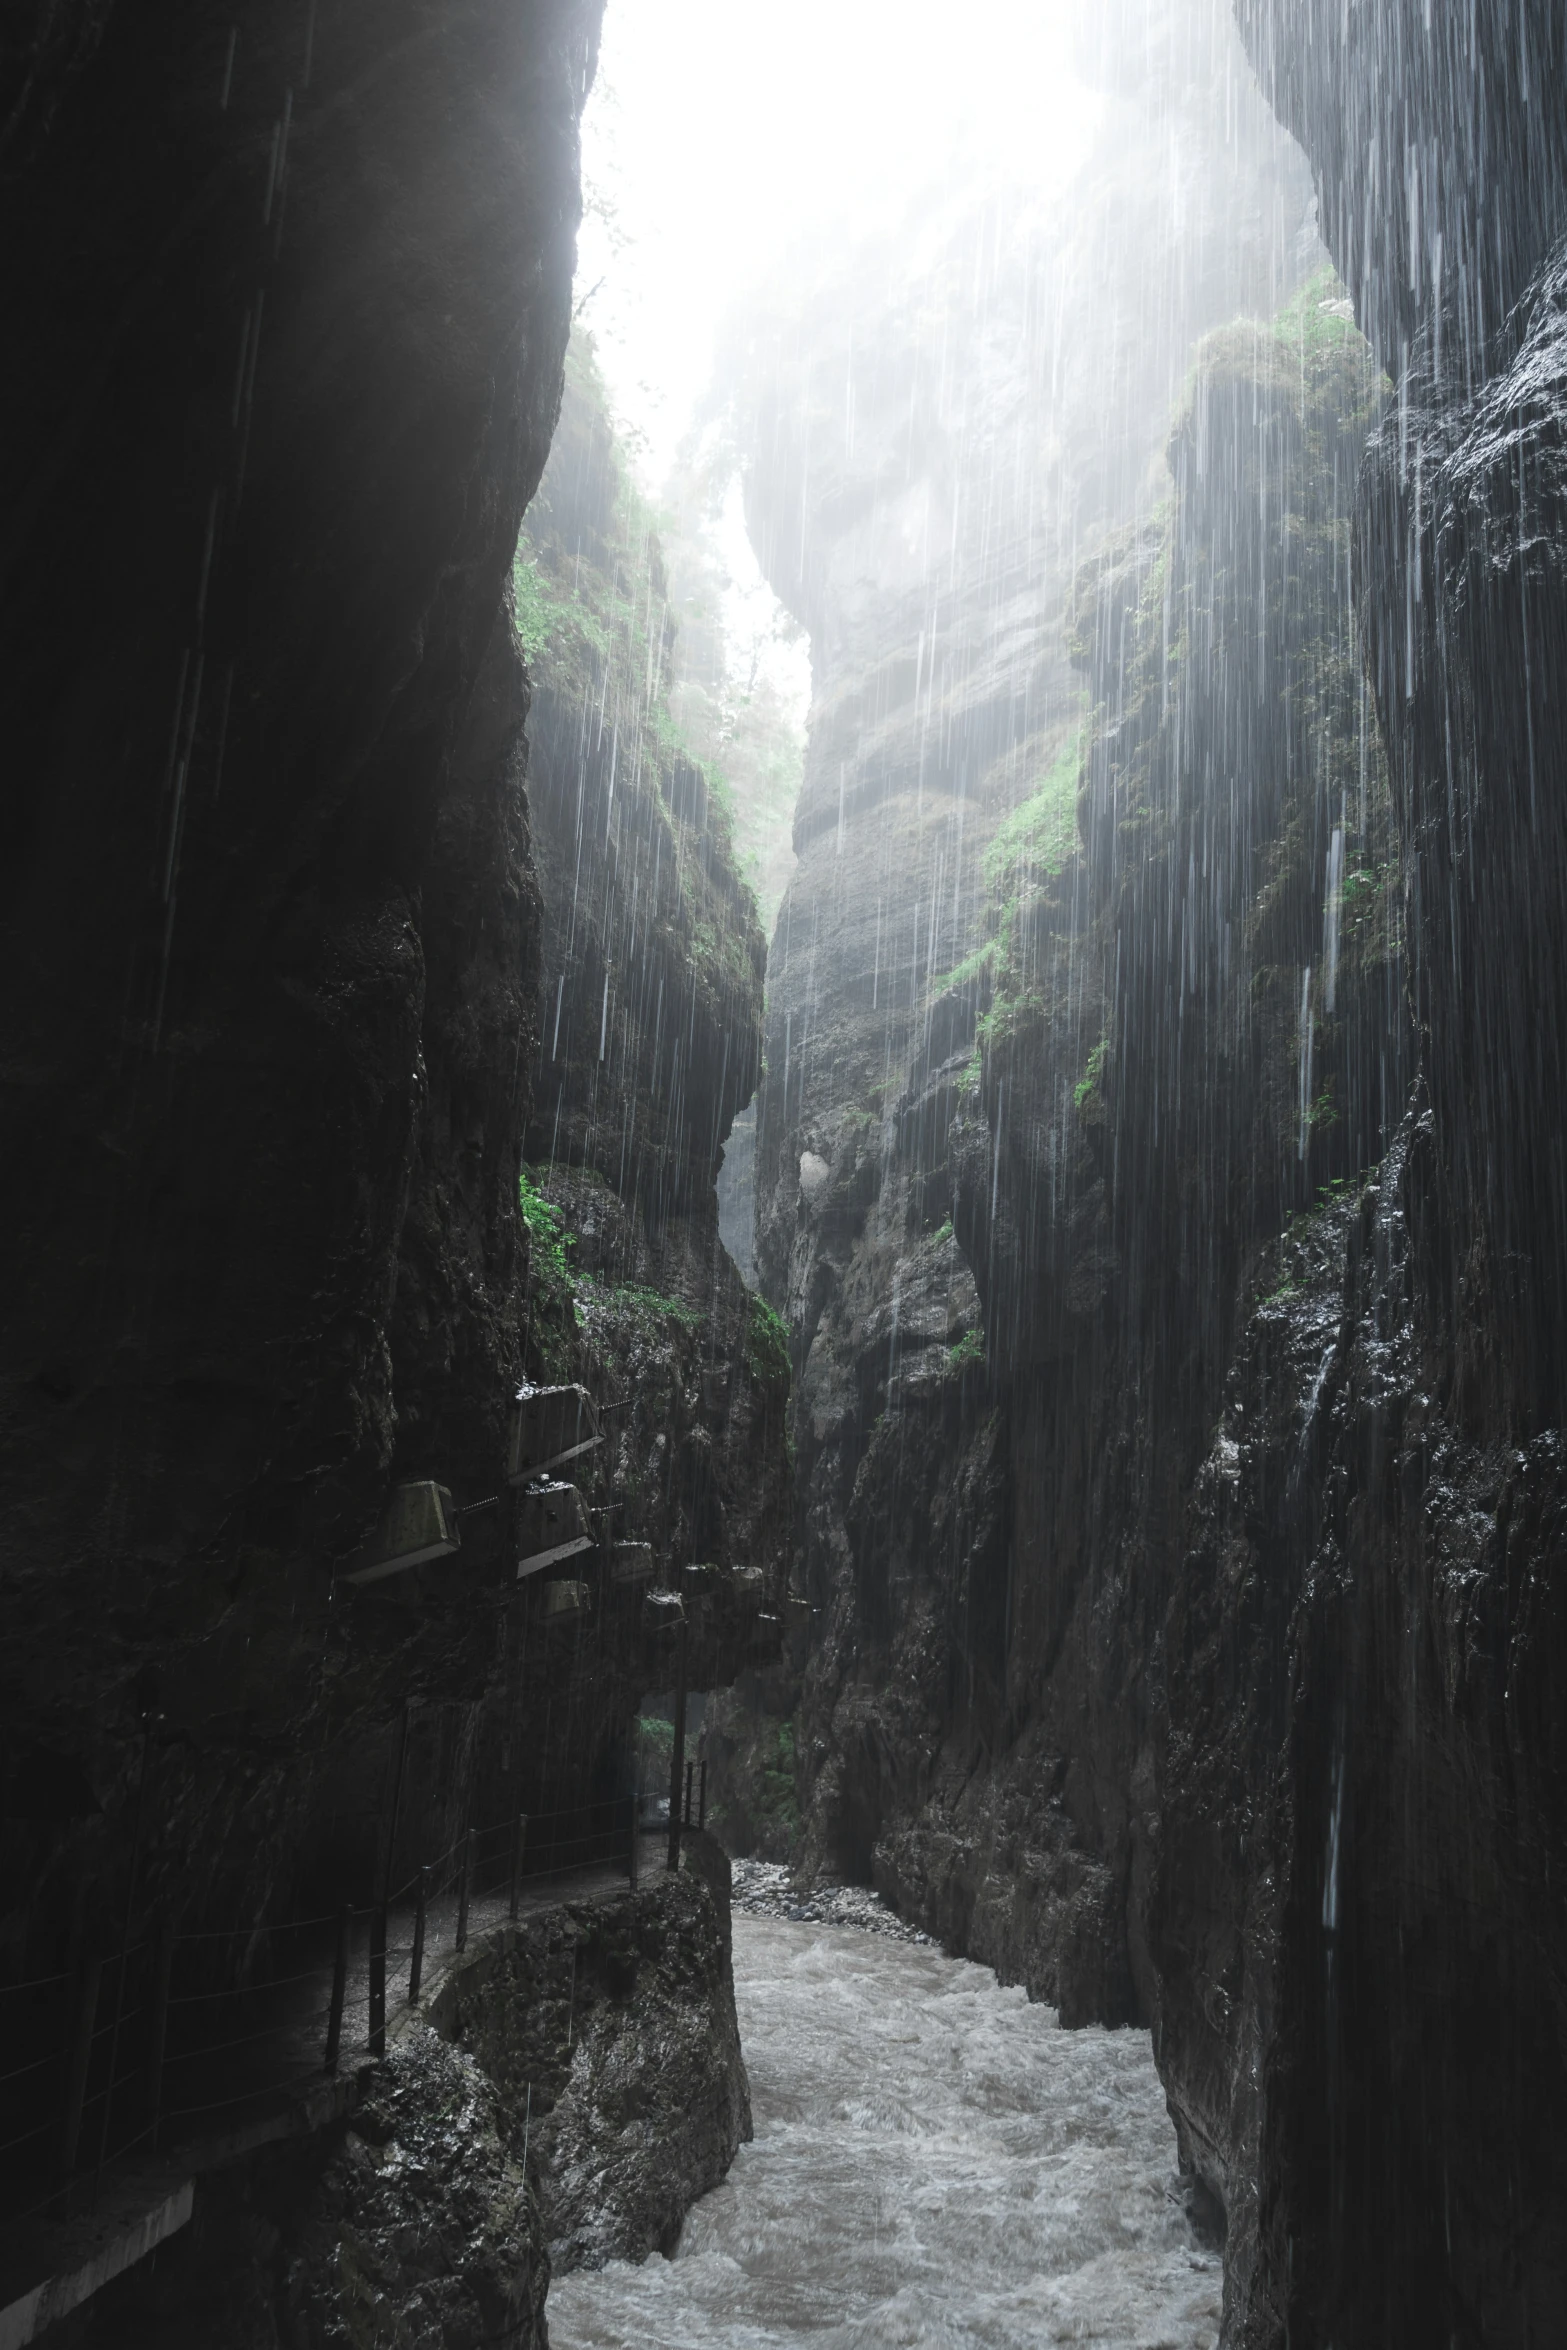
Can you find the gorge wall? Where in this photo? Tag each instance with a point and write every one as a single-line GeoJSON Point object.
{"type": "Point", "coordinates": [269, 905]}
{"type": "Point", "coordinates": [1410, 2035]}
{"type": "Point", "coordinates": [1163, 1185]}
{"type": "Point", "coordinates": [650, 1041]}
{"type": "Point", "coordinates": [294, 290]}
{"type": "Point", "coordinates": [925, 496]}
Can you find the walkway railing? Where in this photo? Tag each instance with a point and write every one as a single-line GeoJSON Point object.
{"type": "Point", "coordinates": [183, 2035]}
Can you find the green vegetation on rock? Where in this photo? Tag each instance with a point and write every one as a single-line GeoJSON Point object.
{"type": "Point", "coordinates": [1041, 834]}
{"type": "Point", "coordinates": [548, 1242]}
{"type": "Point", "coordinates": [767, 1342]}
{"type": "Point", "coordinates": [630, 1303]}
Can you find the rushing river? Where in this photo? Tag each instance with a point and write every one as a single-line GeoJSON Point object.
{"type": "Point", "coordinates": [936, 2163]}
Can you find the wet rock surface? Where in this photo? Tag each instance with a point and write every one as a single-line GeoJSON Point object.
{"type": "Point", "coordinates": [767, 1889]}
{"type": "Point", "coordinates": [569, 2087]}
{"type": "Point", "coordinates": [614, 2028]}
{"type": "Point", "coordinates": [421, 2226]}
{"type": "Point", "coordinates": [1225, 1712]}
{"type": "Point", "coordinates": [1359, 1765]}
{"type": "Point", "coordinates": [926, 547]}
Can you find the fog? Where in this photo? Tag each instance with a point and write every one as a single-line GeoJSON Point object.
{"type": "Point", "coordinates": [728, 148]}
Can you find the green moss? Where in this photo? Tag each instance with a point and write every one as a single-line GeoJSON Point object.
{"type": "Point", "coordinates": [548, 1241]}
{"type": "Point", "coordinates": [767, 1343]}
{"type": "Point", "coordinates": [972, 967]}
{"type": "Point", "coordinates": [967, 1355]}
{"type": "Point", "coordinates": [1318, 325]}
{"type": "Point", "coordinates": [537, 607]}
{"type": "Point", "coordinates": [629, 1301]}
{"type": "Point", "coordinates": [1088, 1084]}
{"type": "Point", "coordinates": [653, 1743]}
{"type": "Point", "coordinates": [1040, 835]}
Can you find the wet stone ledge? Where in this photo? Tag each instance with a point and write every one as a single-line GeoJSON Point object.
{"type": "Point", "coordinates": [564, 2092]}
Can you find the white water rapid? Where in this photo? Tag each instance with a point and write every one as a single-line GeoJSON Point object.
{"type": "Point", "coordinates": [936, 2163]}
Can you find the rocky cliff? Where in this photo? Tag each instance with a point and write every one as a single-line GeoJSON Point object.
{"type": "Point", "coordinates": [928, 523]}
{"type": "Point", "coordinates": [293, 290]}
{"type": "Point", "coordinates": [649, 1046]}
{"type": "Point", "coordinates": [1380, 1794]}
{"type": "Point", "coordinates": [270, 919]}
{"type": "Point", "coordinates": [1184, 1642]}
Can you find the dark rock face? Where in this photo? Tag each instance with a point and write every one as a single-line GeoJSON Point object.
{"type": "Point", "coordinates": [1225, 1706]}
{"type": "Point", "coordinates": [570, 2088]}
{"type": "Point", "coordinates": [1355, 1905]}
{"type": "Point", "coordinates": [293, 291]}
{"type": "Point", "coordinates": [1194, 1024]}
{"type": "Point", "coordinates": [1436, 134]}
{"type": "Point", "coordinates": [1449, 258]}
{"type": "Point", "coordinates": [656, 2104]}
{"type": "Point", "coordinates": [1362, 1817]}
{"type": "Point", "coordinates": [1461, 553]}
{"type": "Point", "coordinates": [420, 2222]}
{"type": "Point", "coordinates": [412, 2222]}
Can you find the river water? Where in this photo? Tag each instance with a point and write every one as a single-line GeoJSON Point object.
{"type": "Point", "coordinates": [936, 2163]}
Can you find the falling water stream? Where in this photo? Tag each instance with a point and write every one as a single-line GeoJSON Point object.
{"type": "Point", "coordinates": [936, 2162]}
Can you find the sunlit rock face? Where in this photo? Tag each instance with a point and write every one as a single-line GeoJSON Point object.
{"type": "Point", "coordinates": [287, 294]}
{"type": "Point", "coordinates": [930, 468]}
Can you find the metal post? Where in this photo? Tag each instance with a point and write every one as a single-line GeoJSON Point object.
{"type": "Point", "coordinates": [678, 1765]}
{"type": "Point", "coordinates": [80, 2058]}
{"type": "Point", "coordinates": [334, 2021]}
{"type": "Point", "coordinates": [690, 1776]}
{"type": "Point", "coordinates": [416, 1962]}
{"type": "Point", "coordinates": [397, 1809]}
{"type": "Point", "coordinates": [465, 1887]}
{"type": "Point", "coordinates": [518, 1845]}
{"type": "Point", "coordinates": [701, 1796]}
{"type": "Point", "coordinates": [377, 2035]}
{"type": "Point", "coordinates": [378, 1983]}
{"type": "Point", "coordinates": [157, 2037]}
{"type": "Point", "coordinates": [123, 1969]}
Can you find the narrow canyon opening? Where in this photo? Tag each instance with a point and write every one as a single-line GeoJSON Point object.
{"type": "Point", "coordinates": [781, 1462]}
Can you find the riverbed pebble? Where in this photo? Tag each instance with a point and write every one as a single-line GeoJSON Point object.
{"type": "Point", "coordinates": [766, 1889]}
